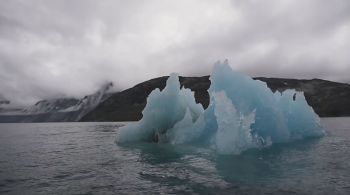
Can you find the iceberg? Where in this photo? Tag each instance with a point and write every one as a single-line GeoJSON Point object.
{"type": "Point", "coordinates": [165, 110]}
{"type": "Point", "coordinates": [243, 113]}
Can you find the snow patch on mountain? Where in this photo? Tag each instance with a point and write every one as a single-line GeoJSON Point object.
{"type": "Point", "coordinates": [79, 107]}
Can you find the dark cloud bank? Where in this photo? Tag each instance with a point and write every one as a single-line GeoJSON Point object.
{"type": "Point", "coordinates": [50, 48]}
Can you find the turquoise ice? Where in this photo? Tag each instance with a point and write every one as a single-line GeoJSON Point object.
{"type": "Point", "coordinates": [164, 110]}
{"type": "Point", "coordinates": [243, 113]}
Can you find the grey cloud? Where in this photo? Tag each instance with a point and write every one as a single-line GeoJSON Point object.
{"type": "Point", "coordinates": [69, 48]}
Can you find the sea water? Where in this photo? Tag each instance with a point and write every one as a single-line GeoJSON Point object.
{"type": "Point", "coordinates": [82, 158]}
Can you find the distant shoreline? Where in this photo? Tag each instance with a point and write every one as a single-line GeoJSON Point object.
{"type": "Point", "coordinates": [327, 98]}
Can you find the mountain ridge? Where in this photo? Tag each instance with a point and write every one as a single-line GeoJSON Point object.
{"type": "Point", "coordinates": [327, 98]}
{"type": "Point", "coordinates": [56, 109]}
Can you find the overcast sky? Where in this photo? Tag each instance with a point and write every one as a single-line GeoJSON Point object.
{"type": "Point", "coordinates": [64, 47]}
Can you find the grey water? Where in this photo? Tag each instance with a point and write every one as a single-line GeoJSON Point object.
{"type": "Point", "coordinates": [82, 158]}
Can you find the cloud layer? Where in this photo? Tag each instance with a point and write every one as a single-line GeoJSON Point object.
{"type": "Point", "coordinates": [63, 47]}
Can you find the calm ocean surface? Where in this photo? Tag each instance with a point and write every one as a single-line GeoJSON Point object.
{"type": "Point", "coordinates": [82, 158]}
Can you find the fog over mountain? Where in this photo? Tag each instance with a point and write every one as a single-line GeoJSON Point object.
{"type": "Point", "coordinates": [70, 48]}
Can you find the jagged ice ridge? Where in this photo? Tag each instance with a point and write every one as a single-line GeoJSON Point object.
{"type": "Point", "coordinates": [243, 113]}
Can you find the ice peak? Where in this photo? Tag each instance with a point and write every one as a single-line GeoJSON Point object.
{"type": "Point", "coordinates": [242, 114]}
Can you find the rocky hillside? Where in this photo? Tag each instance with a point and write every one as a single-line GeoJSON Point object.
{"type": "Point", "coordinates": [326, 97]}
{"type": "Point", "coordinates": [128, 104]}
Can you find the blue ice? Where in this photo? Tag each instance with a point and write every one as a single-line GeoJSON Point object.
{"type": "Point", "coordinates": [243, 113]}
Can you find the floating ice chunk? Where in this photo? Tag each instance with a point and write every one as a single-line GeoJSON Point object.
{"type": "Point", "coordinates": [243, 113]}
{"type": "Point", "coordinates": [248, 95]}
{"type": "Point", "coordinates": [164, 109]}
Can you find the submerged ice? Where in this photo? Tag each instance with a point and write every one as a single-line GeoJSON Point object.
{"type": "Point", "coordinates": [243, 113]}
